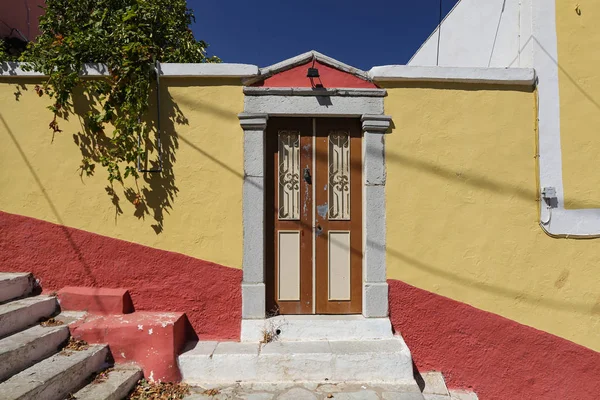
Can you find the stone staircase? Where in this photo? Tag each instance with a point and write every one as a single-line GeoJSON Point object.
{"type": "Point", "coordinates": [42, 358]}
{"type": "Point", "coordinates": [38, 362]}
{"type": "Point", "coordinates": [312, 357]}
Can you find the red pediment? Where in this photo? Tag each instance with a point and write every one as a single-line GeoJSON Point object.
{"type": "Point", "coordinates": [332, 74]}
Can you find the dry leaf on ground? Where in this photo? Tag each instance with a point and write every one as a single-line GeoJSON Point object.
{"type": "Point", "coordinates": [51, 322]}
{"type": "Point", "coordinates": [159, 391]}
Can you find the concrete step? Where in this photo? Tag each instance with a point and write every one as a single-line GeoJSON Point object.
{"type": "Point", "coordinates": [306, 391]}
{"type": "Point", "coordinates": [387, 361]}
{"type": "Point", "coordinates": [305, 328]}
{"type": "Point", "coordinates": [55, 377]}
{"type": "Point", "coordinates": [112, 385]}
{"type": "Point", "coordinates": [152, 340]}
{"type": "Point", "coordinates": [14, 285]}
{"type": "Point", "coordinates": [20, 314]}
{"type": "Point", "coordinates": [25, 348]}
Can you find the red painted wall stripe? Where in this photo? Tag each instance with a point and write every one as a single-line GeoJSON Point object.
{"type": "Point", "coordinates": [498, 358]}
{"type": "Point", "coordinates": [158, 280]}
{"type": "Point", "coordinates": [329, 78]}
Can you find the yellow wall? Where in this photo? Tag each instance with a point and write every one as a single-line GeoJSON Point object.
{"type": "Point", "coordinates": [461, 195]}
{"type": "Point", "coordinates": [203, 219]}
{"type": "Point", "coordinates": [462, 212]}
{"type": "Point", "coordinates": [579, 86]}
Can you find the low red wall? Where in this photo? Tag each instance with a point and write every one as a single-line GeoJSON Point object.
{"type": "Point", "coordinates": [158, 280]}
{"type": "Point", "coordinates": [496, 357]}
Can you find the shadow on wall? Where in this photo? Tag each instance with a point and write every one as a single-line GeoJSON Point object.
{"type": "Point", "coordinates": [157, 190]}
{"type": "Point", "coordinates": [64, 230]}
{"type": "Point", "coordinates": [81, 263]}
{"type": "Point", "coordinates": [157, 193]}
{"type": "Point", "coordinates": [584, 92]}
{"type": "Point", "coordinates": [501, 188]}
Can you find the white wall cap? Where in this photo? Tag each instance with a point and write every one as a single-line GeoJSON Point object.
{"type": "Point", "coordinates": [203, 70]}
{"type": "Point", "coordinates": [501, 76]}
{"type": "Point", "coordinates": [209, 70]}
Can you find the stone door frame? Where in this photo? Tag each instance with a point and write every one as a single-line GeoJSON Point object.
{"type": "Point", "coordinates": [367, 104]}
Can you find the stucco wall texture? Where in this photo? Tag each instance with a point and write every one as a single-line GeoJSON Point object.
{"type": "Point", "coordinates": [59, 256]}
{"type": "Point", "coordinates": [461, 195]}
{"type": "Point", "coordinates": [202, 139]}
{"type": "Point", "coordinates": [462, 217]}
{"type": "Point", "coordinates": [578, 37]}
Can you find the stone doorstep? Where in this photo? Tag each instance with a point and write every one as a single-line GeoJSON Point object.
{"type": "Point", "coordinates": [384, 361]}
{"type": "Point", "coordinates": [14, 285]}
{"type": "Point", "coordinates": [317, 327]}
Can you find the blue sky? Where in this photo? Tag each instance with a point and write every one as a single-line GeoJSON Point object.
{"type": "Point", "coordinates": [359, 33]}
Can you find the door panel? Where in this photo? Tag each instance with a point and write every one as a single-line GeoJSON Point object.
{"type": "Point", "coordinates": [312, 160]}
{"type": "Point", "coordinates": [338, 198]}
{"type": "Point", "coordinates": [289, 212]}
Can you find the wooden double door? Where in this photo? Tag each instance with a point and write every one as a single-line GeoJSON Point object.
{"type": "Point", "coordinates": [314, 242]}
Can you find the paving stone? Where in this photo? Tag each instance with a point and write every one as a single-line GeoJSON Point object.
{"type": "Point", "coordinates": [434, 383]}
{"type": "Point", "coordinates": [409, 387]}
{"type": "Point", "coordinates": [312, 386]}
{"type": "Point", "coordinates": [267, 386]}
{"type": "Point", "coordinates": [330, 388]}
{"type": "Point", "coordinates": [428, 396]}
{"type": "Point", "coordinates": [224, 393]}
{"type": "Point", "coordinates": [297, 394]}
{"type": "Point", "coordinates": [362, 395]}
{"type": "Point", "coordinates": [257, 396]}
{"type": "Point", "coordinates": [198, 396]}
{"type": "Point", "coordinates": [462, 395]}
{"type": "Point", "coordinates": [402, 396]}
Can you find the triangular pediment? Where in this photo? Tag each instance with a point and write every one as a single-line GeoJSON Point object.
{"type": "Point", "coordinates": [293, 73]}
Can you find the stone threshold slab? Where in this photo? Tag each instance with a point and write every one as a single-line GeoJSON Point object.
{"type": "Point", "coordinates": [384, 361]}
{"type": "Point", "coordinates": [317, 327]}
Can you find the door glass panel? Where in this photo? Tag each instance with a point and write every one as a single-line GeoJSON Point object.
{"type": "Point", "coordinates": [289, 175]}
{"type": "Point", "coordinates": [339, 175]}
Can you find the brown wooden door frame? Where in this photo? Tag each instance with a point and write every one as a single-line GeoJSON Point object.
{"type": "Point", "coordinates": [309, 218]}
